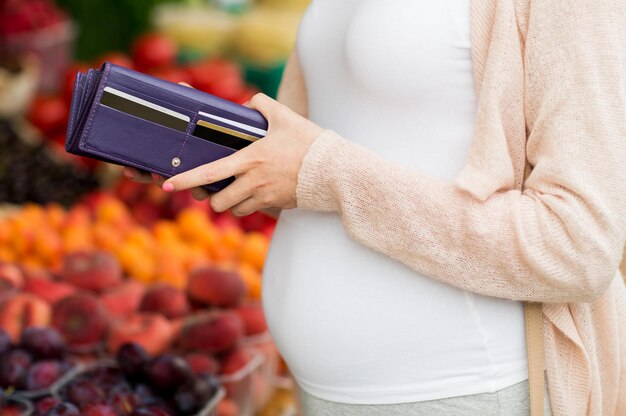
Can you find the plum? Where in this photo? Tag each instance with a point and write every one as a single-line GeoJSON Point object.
{"type": "Point", "coordinates": [44, 343]}
{"type": "Point", "coordinates": [14, 367]}
{"type": "Point", "coordinates": [150, 411]}
{"type": "Point", "coordinates": [5, 341]}
{"type": "Point", "coordinates": [97, 409]}
{"type": "Point", "coordinates": [43, 374]}
{"type": "Point", "coordinates": [46, 404]}
{"type": "Point", "coordinates": [166, 372]}
{"type": "Point", "coordinates": [192, 396]}
{"type": "Point", "coordinates": [82, 392]}
{"type": "Point", "coordinates": [63, 409]}
{"type": "Point", "coordinates": [132, 359]}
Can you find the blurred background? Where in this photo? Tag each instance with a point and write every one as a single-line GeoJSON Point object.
{"type": "Point", "coordinates": [90, 261]}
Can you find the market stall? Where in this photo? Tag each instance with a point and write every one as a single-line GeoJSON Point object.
{"type": "Point", "coordinates": [115, 297]}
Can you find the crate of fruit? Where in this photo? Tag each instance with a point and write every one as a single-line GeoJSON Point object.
{"type": "Point", "coordinates": [15, 406]}
{"type": "Point", "coordinates": [33, 364]}
{"type": "Point", "coordinates": [135, 383]}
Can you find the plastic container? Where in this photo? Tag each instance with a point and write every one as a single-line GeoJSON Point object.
{"type": "Point", "coordinates": [209, 409]}
{"type": "Point", "coordinates": [53, 46]}
{"type": "Point", "coordinates": [240, 385]}
{"type": "Point", "coordinates": [263, 378]}
{"type": "Point", "coordinates": [25, 404]}
{"type": "Point", "coordinates": [36, 394]}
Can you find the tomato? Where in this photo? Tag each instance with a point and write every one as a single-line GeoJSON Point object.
{"type": "Point", "coordinates": [49, 114]}
{"type": "Point", "coordinates": [116, 58]}
{"type": "Point", "coordinates": [219, 77]}
{"type": "Point", "coordinates": [154, 50]}
{"type": "Point", "coordinates": [172, 74]}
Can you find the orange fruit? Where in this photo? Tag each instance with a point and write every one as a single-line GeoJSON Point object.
{"type": "Point", "coordinates": [164, 230]}
{"type": "Point", "coordinates": [106, 237]}
{"type": "Point", "coordinates": [141, 237]}
{"type": "Point", "coordinates": [48, 245]}
{"type": "Point", "coordinates": [254, 249]}
{"type": "Point", "coordinates": [192, 222]}
{"type": "Point", "coordinates": [252, 279]}
{"type": "Point", "coordinates": [55, 215]}
{"type": "Point", "coordinates": [7, 254]}
{"type": "Point", "coordinates": [77, 238]}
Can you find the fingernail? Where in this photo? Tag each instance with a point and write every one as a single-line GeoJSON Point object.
{"type": "Point", "coordinates": [168, 187]}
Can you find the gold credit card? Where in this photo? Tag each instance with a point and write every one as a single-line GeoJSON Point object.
{"type": "Point", "coordinates": [223, 136]}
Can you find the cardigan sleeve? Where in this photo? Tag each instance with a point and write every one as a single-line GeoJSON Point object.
{"type": "Point", "coordinates": [561, 239]}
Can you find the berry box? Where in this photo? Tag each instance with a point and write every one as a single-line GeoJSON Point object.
{"type": "Point", "coordinates": [120, 391]}
{"type": "Point", "coordinates": [263, 379]}
{"type": "Point", "coordinates": [239, 386]}
{"type": "Point", "coordinates": [15, 406]}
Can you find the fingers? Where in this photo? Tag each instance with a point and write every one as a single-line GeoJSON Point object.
{"type": "Point", "coordinates": [137, 175]}
{"type": "Point", "coordinates": [158, 179]}
{"type": "Point", "coordinates": [232, 165]}
{"type": "Point", "coordinates": [247, 207]}
{"type": "Point", "coordinates": [232, 195]}
{"type": "Point", "coordinates": [199, 194]}
{"type": "Point", "coordinates": [265, 105]}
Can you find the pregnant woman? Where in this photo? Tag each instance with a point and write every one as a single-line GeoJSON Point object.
{"type": "Point", "coordinates": [410, 235]}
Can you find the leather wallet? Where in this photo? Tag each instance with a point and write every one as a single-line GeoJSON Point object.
{"type": "Point", "coordinates": [121, 116]}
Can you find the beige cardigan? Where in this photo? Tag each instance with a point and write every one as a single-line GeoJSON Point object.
{"type": "Point", "coordinates": [551, 82]}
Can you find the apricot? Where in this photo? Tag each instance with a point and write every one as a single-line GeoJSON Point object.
{"type": "Point", "coordinates": [254, 249]}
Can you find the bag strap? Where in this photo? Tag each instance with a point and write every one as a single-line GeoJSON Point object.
{"type": "Point", "coordinates": [534, 346]}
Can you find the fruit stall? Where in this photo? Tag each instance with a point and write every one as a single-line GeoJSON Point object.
{"type": "Point", "coordinates": [115, 297]}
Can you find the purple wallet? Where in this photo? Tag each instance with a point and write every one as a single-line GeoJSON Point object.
{"type": "Point", "coordinates": [128, 118]}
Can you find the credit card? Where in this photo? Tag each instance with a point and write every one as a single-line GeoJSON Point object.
{"type": "Point", "coordinates": [146, 110]}
{"type": "Point", "coordinates": [223, 136]}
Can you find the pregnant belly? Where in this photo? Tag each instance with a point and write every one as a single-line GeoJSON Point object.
{"type": "Point", "coordinates": [345, 317]}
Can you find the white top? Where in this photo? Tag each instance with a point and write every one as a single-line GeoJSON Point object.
{"type": "Point", "coordinates": [353, 325]}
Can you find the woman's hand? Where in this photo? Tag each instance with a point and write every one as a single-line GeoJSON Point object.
{"type": "Point", "coordinates": [266, 171]}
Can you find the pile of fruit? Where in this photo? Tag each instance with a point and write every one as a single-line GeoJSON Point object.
{"type": "Point", "coordinates": [17, 16]}
{"type": "Point", "coordinates": [135, 384]}
{"type": "Point", "coordinates": [41, 237]}
{"type": "Point", "coordinates": [30, 172]}
{"type": "Point", "coordinates": [35, 363]}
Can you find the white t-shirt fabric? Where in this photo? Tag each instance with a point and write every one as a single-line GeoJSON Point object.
{"type": "Point", "coordinates": [353, 325]}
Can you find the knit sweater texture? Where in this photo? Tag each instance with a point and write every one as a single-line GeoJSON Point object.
{"type": "Point", "coordinates": [550, 76]}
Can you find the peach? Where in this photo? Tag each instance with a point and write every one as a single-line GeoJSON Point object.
{"type": "Point", "coordinates": [11, 277]}
{"type": "Point", "coordinates": [216, 286]}
{"type": "Point", "coordinates": [49, 290]}
{"type": "Point", "coordinates": [213, 332]}
{"type": "Point", "coordinates": [166, 300]}
{"type": "Point", "coordinates": [253, 318]}
{"type": "Point", "coordinates": [82, 319]}
{"type": "Point", "coordinates": [123, 300]}
{"type": "Point", "coordinates": [227, 407]}
{"type": "Point", "coordinates": [236, 360]}
{"type": "Point", "coordinates": [92, 271]}
{"type": "Point", "coordinates": [152, 331]}
{"type": "Point", "coordinates": [202, 363]}
{"type": "Point", "coordinates": [22, 311]}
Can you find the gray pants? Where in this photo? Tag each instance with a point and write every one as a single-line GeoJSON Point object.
{"type": "Point", "coordinates": [510, 401]}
